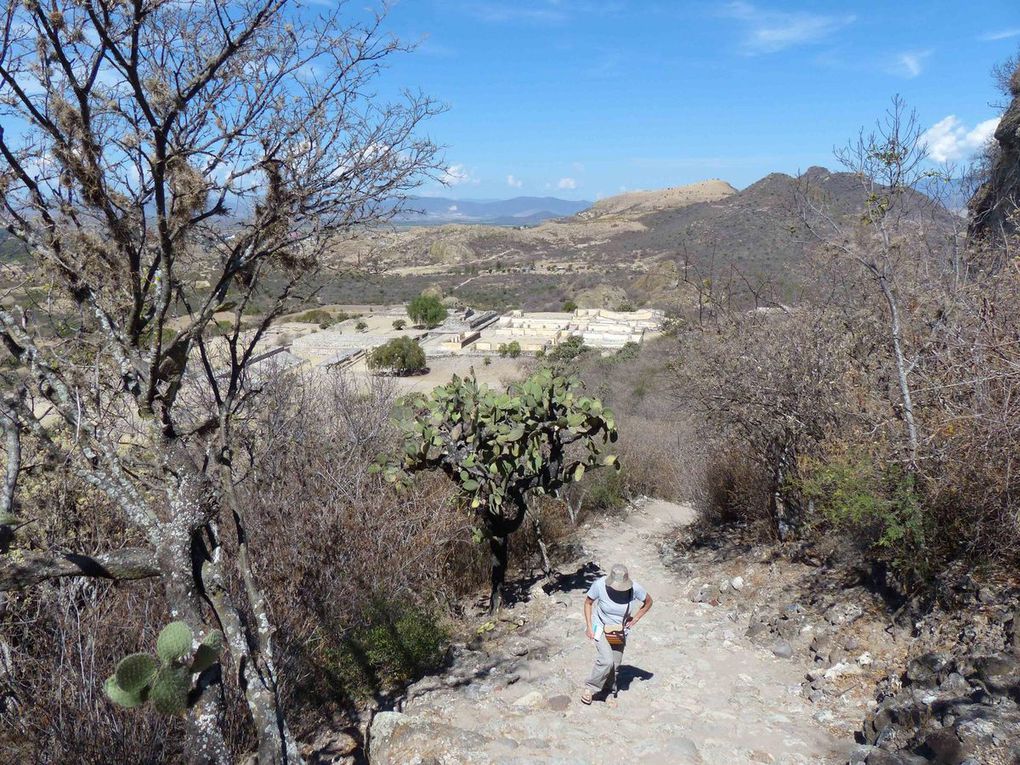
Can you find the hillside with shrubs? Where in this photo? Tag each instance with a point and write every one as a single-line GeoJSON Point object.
{"type": "Point", "coordinates": [205, 557]}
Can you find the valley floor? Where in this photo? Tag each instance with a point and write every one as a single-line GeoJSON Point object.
{"type": "Point", "coordinates": [693, 689]}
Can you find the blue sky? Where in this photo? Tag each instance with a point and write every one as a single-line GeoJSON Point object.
{"type": "Point", "coordinates": [585, 98]}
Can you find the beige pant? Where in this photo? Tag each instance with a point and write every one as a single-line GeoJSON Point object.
{"type": "Point", "coordinates": [607, 661]}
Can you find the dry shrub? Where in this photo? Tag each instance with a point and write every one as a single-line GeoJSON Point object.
{"type": "Point", "coordinates": [973, 423]}
{"type": "Point", "coordinates": [768, 386]}
{"type": "Point", "coordinates": [735, 490]}
{"type": "Point", "coordinates": [659, 448]}
{"type": "Point", "coordinates": [805, 412]}
{"type": "Point", "coordinates": [59, 641]}
{"type": "Point", "coordinates": [353, 559]}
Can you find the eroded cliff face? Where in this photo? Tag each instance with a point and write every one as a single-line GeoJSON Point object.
{"type": "Point", "coordinates": [995, 206]}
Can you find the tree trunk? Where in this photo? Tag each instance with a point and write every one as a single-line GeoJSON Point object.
{"type": "Point", "coordinates": [537, 526]}
{"type": "Point", "coordinates": [785, 510]}
{"type": "Point", "coordinates": [499, 546]}
{"type": "Point", "coordinates": [276, 743]}
{"type": "Point", "coordinates": [206, 745]}
{"type": "Point", "coordinates": [256, 674]}
{"type": "Point", "coordinates": [901, 370]}
{"type": "Point", "coordinates": [12, 444]}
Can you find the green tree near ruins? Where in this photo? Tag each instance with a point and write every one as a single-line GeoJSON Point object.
{"type": "Point", "coordinates": [400, 356]}
{"type": "Point", "coordinates": [503, 447]}
{"type": "Point", "coordinates": [511, 349]}
{"type": "Point", "coordinates": [426, 311]}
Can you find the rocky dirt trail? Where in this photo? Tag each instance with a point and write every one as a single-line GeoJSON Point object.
{"type": "Point", "coordinates": [693, 689]}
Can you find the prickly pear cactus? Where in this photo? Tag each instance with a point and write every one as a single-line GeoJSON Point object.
{"type": "Point", "coordinates": [166, 680]}
{"type": "Point", "coordinates": [499, 446]}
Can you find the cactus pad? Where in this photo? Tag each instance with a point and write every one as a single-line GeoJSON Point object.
{"type": "Point", "coordinates": [174, 642]}
{"type": "Point", "coordinates": [208, 651]}
{"type": "Point", "coordinates": [169, 694]}
{"type": "Point", "coordinates": [119, 696]}
{"type": "Point", "coordinates": [136, 671]}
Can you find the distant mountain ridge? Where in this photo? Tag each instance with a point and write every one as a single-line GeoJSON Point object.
{"type": "Point", "coordinates": [518, 211]}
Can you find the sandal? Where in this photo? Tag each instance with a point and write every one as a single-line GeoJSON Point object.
{"type": "Point", "coordinates": [586, 696]}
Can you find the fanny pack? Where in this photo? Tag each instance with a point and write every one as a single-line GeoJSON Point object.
{"type": "Point", "coordinates": [615, 635]}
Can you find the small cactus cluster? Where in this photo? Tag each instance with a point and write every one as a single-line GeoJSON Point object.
{"type": "Point", "coordinates": [165, 679]}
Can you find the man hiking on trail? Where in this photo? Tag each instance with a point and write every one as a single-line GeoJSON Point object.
{"type": "Point", "coordinates": [608, 618]}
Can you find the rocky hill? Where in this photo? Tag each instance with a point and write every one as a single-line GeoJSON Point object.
{"type": "Point", "coordinates": [994, 209]}
{"type": "Point", "coordinates": [637, 204]}
{"type": "Point", "coordinates": [634, 248]}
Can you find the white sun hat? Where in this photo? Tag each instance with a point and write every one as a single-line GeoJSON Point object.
{"type": "Point", "coordinates": [618, 578]}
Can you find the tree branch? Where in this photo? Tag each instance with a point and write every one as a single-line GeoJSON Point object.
{"type": "Point", "coordinates": [24, 568]}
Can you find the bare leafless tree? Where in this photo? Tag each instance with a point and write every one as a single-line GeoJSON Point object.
{"type": "Point", "coordinates": [893, 234]}
{"type": "Point", "coordinates": [176, 169]}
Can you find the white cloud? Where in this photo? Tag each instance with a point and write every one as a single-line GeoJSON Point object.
{"type": "Point", "coordinates": [546, 12]}
{"type": "Point", "coordinates": [502, 12]}
{"type": "Point", "coordinates": [949, 139]}
{"type": "Point", "coordinates": [452, 208]}
{"type": "Point", "coordinates": [1002, 34]}
{"type": "Point", "coordinates": [772, 31]}
{"type": "Point", "coordinates": [514, 182]}
{"type": "Point", "coordinates": [911, 63]}
{"type": "Point", "coordinates": [566, 183]}
{"type": "Point", "coordinates": [458, 175]}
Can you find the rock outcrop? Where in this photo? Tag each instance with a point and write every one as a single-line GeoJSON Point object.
{"type": "Point", "coordinates": [995, 206]}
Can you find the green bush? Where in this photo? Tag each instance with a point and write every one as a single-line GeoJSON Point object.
{"type": "Point", "coordinates": [325, 319]}
{"type": "Point", "coordinates": [511, 349]}
{"type": "Point", "coordinates": [361, 326]}
{"type": "Point", "coordinates": [397, 644]}
{"type": "Point", "coordinates": [401, 356]}
{"type": "Point", "coordinates": [877, 503]}
{"type": "Point", "coordinates": [567, 351]}
{"type": "Point", "coordinates": [399, 325]}
{"type": "Point", "coordinates": [628, 352]}
{"type": "Point", "coordinates": [426, 311]}
{"type": "Point", "coordinates": [607, 492]}
{"type": "Point", "coordinates": [570, 306]}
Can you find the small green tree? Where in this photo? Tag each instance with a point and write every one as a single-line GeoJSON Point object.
{"type": "Point", "coordinates": [399, 325]}
{"type": "Point", "coordinates": [426, 311]}
{"type": "Point", "coordinates": [361, 326]}
{"type": "Point", "coordinates": [400, 356]}
{"type": "Point", "coordinates": [564, 354]}
{"type": "Point", "coordinates": [569, 306]}
{"type": "Point", "coordinates": [501, 447]}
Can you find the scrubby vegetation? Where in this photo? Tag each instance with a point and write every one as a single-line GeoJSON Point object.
{"type": "Point", "coordinates": [511, 349]}
{"type": "Point", "coordinates": [399, 356]}
{"type": "Point", "coordinates": [325, 319]}
{"type": "Point", "coordinates": [885, 416]}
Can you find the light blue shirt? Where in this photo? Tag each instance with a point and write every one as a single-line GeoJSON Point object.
{"type": "Point", "coordinates": [608, 611]}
